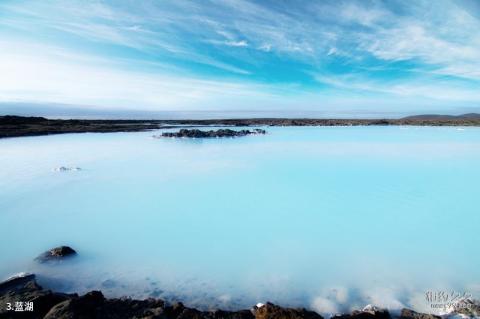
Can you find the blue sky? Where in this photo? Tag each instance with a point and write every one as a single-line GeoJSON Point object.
{"type": "Point", "coordinates": [334, 57]}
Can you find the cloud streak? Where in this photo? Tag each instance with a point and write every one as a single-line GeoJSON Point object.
{"type": "Point", "coordinates": [229, 53]}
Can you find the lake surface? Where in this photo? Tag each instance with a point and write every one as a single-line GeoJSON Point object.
{"type": "Point", "coordinates": [331, 218]}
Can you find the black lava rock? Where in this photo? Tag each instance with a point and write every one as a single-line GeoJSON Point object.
{"type": "Point", "coordinates": [195, 133]}
{"type": "Point", "coordinates": [369, 312]}
{"type": "Point", "coordinates": [410, 314]}
{"type": "Point", "coordinates": [56, 254]}
{"type": "Point", "coordinates": [24, 289]}
{"type": "Point", "coordinates": [271, 311]}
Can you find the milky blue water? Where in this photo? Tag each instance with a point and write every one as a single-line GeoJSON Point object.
{"type": "Point", "coordinates": [330, 218]}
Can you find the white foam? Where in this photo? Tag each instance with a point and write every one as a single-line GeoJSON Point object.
{"type": "Point", "coordinates": [225, 298]}
{"type": "Point", "coordinates": [370, 308]}
{"type": "Point", "coordinates": [66, 169]}
{"type": "Point", "coordinates": [324, 306]}
{"type": "Point", "coordinates": [19, 275]}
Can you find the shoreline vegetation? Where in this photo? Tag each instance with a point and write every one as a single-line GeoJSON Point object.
{"type": "Point", "coordinates": [16, 126]}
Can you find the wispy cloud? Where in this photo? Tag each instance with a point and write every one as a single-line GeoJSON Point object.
{"type": "Point", "coordinates": [54, 75]}
{"type": "Point", "coordinates": [187, 53]}
{"type": "Point", "coordinates": [447, 91]}
{"type": "Point", "coordinates": [242, 43]}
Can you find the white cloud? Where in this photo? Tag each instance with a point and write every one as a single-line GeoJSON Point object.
{"type": "Point", "coordinates": [445, 39]}
{"type": "Point", "coordinates": [332, 51]}
{"type": "Point", "coordinates": [424, 88]}
{"type": "Point", "coordinates": [265, 47]}
{"type": "Point", "coordinates": [176, 34]}
{"type": "Point", "coordinates": [57, 76]}
{"type": "Point", "coordinates": [241, 43]}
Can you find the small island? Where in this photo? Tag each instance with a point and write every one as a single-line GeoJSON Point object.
{"type": "Point", "coordinates": [196, 133]}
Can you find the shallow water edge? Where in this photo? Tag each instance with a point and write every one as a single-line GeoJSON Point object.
{"type": "Point", "coordinates": [23, 297]}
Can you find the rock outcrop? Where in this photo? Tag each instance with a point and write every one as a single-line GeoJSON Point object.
{"type": "Point", "coordinates": [93, 305]}
{"type": "Point", "coordinates": [369, 312]}
{"type": "Point", "coordinates": [271, 311]}
{"type": "Point", "coordinates": [196, 133]}
{"type": "Point", "coordinates": [66, 169]}
{"type": "Point", "coordinates": [56, 254]}
{"type": "Point", "coordinates": [17, 291]}
{"type": "Point", "coordinates": [410, 314]}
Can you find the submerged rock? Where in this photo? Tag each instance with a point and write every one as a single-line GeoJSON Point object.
{"type": "Point", "coordinates": [66, 169]}
{"type": "Point", "coordinates": [109, 283]}
{"type": "Point", "coordinates": [56, 254]}
{"type": "Point", "coordinates": [195, 133]}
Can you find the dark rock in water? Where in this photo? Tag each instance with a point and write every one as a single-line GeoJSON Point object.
{"type": "Point", "coordinates": [369, 312]}
{"type": "Point", "coordinates": [195, 133]}
{"type": "Point", "coordinates": [87, 306]}
{"type": "Point", "coordinates": [109, 283]}
{"type": "Point", "coordinates": [24, 289]}
{"type": "Point", "coordinates": [271, 311]}
{"type": "Point", "coordinates": [156, 293]}
{"type": "Point", "coordinates": [16, 282]}
{"type": "Point", "coordinates": [410, 314]}
{"type": "Point", "coordinates": [178, 310]}
{"type": "Point", "coordinates": [241, 314]}
{"type": "Point", "coordinates": [56, 254]}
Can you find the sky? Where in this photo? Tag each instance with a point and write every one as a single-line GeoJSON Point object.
{"type": "Point", "coordinates": [351, 58]}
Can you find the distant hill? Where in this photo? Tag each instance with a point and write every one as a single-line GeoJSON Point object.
{"type": "Point", "coordinates": [443, 117]}
{"type": "Point", "coordinates": [14, 119]}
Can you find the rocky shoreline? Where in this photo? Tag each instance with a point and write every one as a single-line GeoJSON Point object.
{"type": "Point", "coordinates": [22, 297]}
{"type": "Point", "coordinates": [15, 126]}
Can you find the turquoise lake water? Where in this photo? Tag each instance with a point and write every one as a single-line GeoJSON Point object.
{"type": "Point", "coordinates": [330, 218]}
